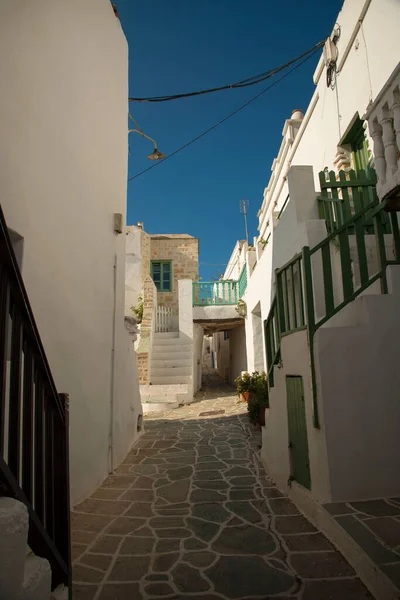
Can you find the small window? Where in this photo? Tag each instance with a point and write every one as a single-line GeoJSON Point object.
{"type": "Point", "coordinates": [161, 273]}
{"type": "Point", "coordinates": [358, 144]}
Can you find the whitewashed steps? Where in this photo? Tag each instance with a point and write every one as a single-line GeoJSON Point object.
{"type": "Point", "coordinates": [23, 575]}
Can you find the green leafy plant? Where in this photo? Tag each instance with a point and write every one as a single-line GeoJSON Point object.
{"type": "Point", "coordinates": [138, 309]}
{"type": "Point", "coordinates": [254, 406]}
{"type": "Point", "coordinates": [243, 383]}
{"type": "Point", "coordinates": [255, 383]}
{"type": "Point", "coordinates": [253, 388]}
{"type": "Point", "coordinates": [241, 308]}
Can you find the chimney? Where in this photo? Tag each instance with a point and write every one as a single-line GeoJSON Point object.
{"type": "Point", "coordinates": [297, 114]}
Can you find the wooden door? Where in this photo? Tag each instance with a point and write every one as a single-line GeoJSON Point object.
{"type": "Point", "coordinates": [298, 440]}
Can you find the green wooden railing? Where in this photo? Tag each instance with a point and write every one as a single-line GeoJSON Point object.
{"type": "Point", "coordinates": [242, 282]}
{"type": "Point", "coordinates": [293, 308]}
{"type": "Point", "coordinates": [342, 199]}
{"type": "Point", "coordinates": [215, 293]}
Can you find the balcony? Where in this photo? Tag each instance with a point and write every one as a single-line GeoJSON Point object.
{"type": "Point", "coordinates": [383, 117]}
{"type": "Point", "coordinates": [215, 302]}
{"type": "Point", "coordinates": [215, 293]}
{"type": "Point", "coordinates": [225, 292]}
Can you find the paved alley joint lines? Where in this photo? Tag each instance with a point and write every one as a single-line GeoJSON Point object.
{"type": "Point", "coordinates": [191, 513]}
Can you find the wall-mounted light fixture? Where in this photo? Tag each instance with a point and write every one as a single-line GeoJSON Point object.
{"type": "Point", "coordinates": [156, 154]}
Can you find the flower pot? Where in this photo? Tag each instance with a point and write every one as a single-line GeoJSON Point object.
{"type": "Point", "coordinates": [245, 396]}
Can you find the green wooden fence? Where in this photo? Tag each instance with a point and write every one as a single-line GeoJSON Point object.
{"type": "Point", "coordinates": [242, 281]}
{"type": "Point", "coordinates": [293, 307]}
{"type": "Point", "coordinates": [215, 293]}
{"type": "Point", "coordinates": [342, 199]}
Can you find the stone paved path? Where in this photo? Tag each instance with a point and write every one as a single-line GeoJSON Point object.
{"type": "Point", "coordinates": [191, 514]}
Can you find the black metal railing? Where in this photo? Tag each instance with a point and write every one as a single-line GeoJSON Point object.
{"type": "Point", "coordinates": [34, 466]}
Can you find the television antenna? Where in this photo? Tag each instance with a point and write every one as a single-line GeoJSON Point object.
{"type": "Point", "coordinates": [244, 205]}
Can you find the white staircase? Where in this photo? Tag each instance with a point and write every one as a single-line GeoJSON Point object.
{"type": "Point", "coordinates": [23, 575]}
{"type": "Point", "coordinates": [170, 373]}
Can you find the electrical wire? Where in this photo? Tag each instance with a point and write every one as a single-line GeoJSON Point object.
{"type": "Point", "coordinates": [135, 122]}
{"type": "Point", "coordinates": [240, 84]}
{"type": "Point", "coordinates": [225, 118]}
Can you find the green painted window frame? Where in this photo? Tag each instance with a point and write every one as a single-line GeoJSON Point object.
{"type": "Point", "coordinates": [161, 286]}
{"type": "Point", "coordinates": [359, 146]}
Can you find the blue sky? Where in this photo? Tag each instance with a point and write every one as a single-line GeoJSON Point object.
{"type": "Point", "coordinates": [178, 46]}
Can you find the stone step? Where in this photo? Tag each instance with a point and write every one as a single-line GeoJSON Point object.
{"type": "Point", "coordinates": [169, 341]}
{"type": "Point", "coordinates": [37, 579]}
{"type": "Point", "coordinates": [14, 525]}
{"type": "Point", "coordinates": [151, 407]}
{"type": "Point", "coordinates": [166, 354]}
{"type": "Point", "coordinates": [173, 399]}
{"type": "Point", "coordinates": [162, 390]}
{"type": "Point", "coordinates": [170, 371]}
{"type": "Point", "coordinates": [166, 335]}
{"type": "Point", "coordinates": [166, 379]}
{"type": "Point", "coordinates": [157, 363]}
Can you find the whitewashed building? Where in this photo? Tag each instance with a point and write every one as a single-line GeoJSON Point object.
{"type": "Point", "coordinates": [63, 173]}
{"type": "Point", "coordinates": [322, 294]}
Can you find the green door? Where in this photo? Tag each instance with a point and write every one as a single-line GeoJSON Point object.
{"type": "Point", "coordinates": [298, 442]}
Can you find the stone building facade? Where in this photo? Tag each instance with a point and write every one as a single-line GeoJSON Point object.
{"type": "Point", "coordinates": [183, 252]}
{"type": "Point", "coordinates": [180, 250]}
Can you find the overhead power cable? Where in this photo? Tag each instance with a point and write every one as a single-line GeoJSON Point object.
{"type": "Point", "coordinates": [239, 84]}
{"type": "Point", "coordinates": [235, 112]}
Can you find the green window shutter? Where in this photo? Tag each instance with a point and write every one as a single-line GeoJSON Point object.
{"type": "Point", "coordinates": [161, 273]}
{"type": "Point", "coordinates": [359, 146]}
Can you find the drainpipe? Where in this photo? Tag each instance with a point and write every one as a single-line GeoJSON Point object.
{"type": "Point", "coordinates": [112, 384]}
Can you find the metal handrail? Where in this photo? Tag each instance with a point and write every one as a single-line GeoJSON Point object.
{"type": "Point", "coordinates": [34, 461]}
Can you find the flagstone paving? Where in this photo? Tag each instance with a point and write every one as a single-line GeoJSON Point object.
{"type": "Point", "coordinates": [191, 514]}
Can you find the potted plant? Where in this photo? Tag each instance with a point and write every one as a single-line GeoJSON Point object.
{"type": "Point", "coordinates": [138, 309]}
{"type": "Point", "coordinates": [244, 385]}
{"type": "Point", "coordinates": [258, 400]}
{"type": "Point", "coordinates": [241, 309]}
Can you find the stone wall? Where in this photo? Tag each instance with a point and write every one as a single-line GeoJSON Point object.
{"type": "Point", "coordinates": [146, 330]}
{"type": "Point", "coordinates": [183, 251]}
{"type": "Point", "coordinates": [145, 254]}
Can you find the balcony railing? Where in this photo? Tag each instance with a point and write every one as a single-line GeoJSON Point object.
{"type": "Point", "coordinates": [33, 423]}
{"type": "Point", "coordinates": [225, 292]}
{"type": "Point", "coordinates": [297, 282]}
{"type": "Point", "coordinates": [215, 293]}
{"type": "Point", "coordinates": [242, 282]}
{"type": "Point", "coordinates": [343, 198]}
{"type": "Point", "coordinates": [384, 126]}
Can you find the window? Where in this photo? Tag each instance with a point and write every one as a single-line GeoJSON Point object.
{"type": "Point", "coordinates": [161, 273]}
{"type": "Point", "coordinates": [358, 145]}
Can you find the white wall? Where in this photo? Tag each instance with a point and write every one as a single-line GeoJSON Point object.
{"type": "Point", "coordinates": [133, 268]}
{"type": "Point", "coordinates": [358, 386]}
{"type": "Point", "coordinates": [198, 341]}
{"type": "Point", "coordinates": [222, 361]}
{"type": "Point", "coordinates": [236, 261]}
{"type": "Point", "coordinates": [315, 144]}
{"type": "Point", "coordinates": [207, 360]}
{"type": "Point", "coordinates": [355, 455]}
{"type": "Point", "coordinates": [237, 352]}
{"type": "Point", "coordinates": [63, 172]}
{"type": "Point", "coordinates": [372, 57]}
{"type": "Point", "coordinates": [275, 435]}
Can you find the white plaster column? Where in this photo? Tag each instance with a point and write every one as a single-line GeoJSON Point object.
{"type": "Point", "coordinates": [185, 309]}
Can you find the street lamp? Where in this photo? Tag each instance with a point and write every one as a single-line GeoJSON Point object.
{"type": "Point", "coordinates": [156, 154]}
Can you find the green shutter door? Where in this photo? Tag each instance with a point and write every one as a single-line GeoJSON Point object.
{"type": "Point", "coordinates": [298, 441]}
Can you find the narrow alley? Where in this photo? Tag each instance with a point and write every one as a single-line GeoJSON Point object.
{"type": "Point", "coordinates": [191, 513]}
